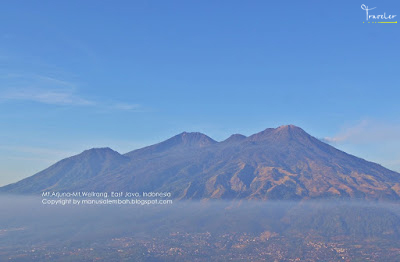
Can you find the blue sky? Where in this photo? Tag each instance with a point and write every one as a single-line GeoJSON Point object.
{"type": "Point", "coordinates": [81, 74]}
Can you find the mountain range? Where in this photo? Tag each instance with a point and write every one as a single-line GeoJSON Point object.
{"type": "Point", "coordinates": [283, 163]}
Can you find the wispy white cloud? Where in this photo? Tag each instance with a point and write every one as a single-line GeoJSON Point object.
{"type": "Point", "coordinates": [53, 97]}
{"type": "Point", "coordinates": [367, 131]}
{"type": "Point", "coordinates": [41, 89]}
{"type": "Point", "coordinates": [53, 91]}
{"type": "Point", "coordinates": [371, 139]}
{"type": "Point", "coordinates": [126, 107]}
{"type": "Point", "coordinates": [56, 81]}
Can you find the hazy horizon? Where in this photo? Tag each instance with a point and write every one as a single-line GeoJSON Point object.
{"type": "Point", "coordinates": [36, 232]}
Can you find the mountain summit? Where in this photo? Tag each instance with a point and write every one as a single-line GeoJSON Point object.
{"type": "Point", "coordinates": [277, 163]}
{"type": "Point", "coordinates": [183, 141]}
{"type": "Point", "coordinates": [282, 133]}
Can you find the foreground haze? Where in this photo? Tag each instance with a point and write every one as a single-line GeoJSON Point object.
{"type": "Point", "coordinates": [200, 231]}
{"type": "Point", "coordinates": [283, 163]}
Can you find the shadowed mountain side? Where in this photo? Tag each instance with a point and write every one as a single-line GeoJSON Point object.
{"type": "Point", "coordinates": [280, 163]}
{"type": "Point", "coordinates": [71, 172]}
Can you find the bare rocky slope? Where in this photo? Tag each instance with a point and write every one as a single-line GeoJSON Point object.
{"type": "Point", "coordinates": [277, 163]}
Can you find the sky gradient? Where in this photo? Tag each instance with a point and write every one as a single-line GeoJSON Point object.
{"type": "Point", "coordinates": [81, 74]}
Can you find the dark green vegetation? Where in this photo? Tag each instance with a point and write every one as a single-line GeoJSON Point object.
{"type": "Point", "coordinates": [282, 163]}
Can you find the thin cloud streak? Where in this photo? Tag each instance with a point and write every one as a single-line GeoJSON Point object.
{"type": "Point", "coordinates": [52, 97]}
{"type": "Point", "coordinates": [126, 107]}
{"type": "Point", "coordinates": [63, 98]}
{"type": "Point", "coordinates": [41, 89]}
{"type": "Point", "coordinates": [367, 131]}
{"type": "Point", "coordinates": [371, 139]}
{"type": "Point", "coordinates": [52, 91]}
